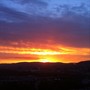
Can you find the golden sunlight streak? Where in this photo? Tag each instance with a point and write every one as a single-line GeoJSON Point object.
{"type": "Point", "coordinates": [56, 50]}
{"type": "Point", "coordinates": [45, 53]}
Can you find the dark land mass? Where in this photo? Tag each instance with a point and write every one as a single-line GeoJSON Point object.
{"type": "Point", "coordinates": [45, 76]}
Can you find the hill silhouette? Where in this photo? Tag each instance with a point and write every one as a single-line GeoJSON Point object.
{"type": "Point", "coordinates": [39, 76]}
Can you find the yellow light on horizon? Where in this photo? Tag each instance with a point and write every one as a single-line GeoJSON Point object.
{"type": "Point", "coordinates": [44, 60]}
{"type": "Point", "coordinates": [47, 59]}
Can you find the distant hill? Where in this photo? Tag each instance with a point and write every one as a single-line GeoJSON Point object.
{"type": "Point", "coordinates": [37, 66]}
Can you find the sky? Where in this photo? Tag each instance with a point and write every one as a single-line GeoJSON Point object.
{"type": "Point", "coordinates": [44, 31]}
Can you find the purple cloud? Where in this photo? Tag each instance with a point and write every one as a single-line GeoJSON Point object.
{"type": "Point", "coordinates": [65, 24]}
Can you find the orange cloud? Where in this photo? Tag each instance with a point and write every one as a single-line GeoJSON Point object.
{"type": "Point", "coordinates": [50, 53]}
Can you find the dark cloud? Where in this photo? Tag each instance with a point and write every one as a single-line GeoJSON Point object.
{"type": "Point", "coordinates": [8, 14]}
{"type": "Point", "coordinates": [67, 33]}
{"type": "Point", "coordinates": [72, 29]}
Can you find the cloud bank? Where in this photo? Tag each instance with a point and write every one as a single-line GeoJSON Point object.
{"type": "Point", "coordinates": [39, 23]}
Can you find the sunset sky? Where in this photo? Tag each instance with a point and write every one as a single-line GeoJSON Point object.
{"type": "Point", "coordinates": [44, 31]}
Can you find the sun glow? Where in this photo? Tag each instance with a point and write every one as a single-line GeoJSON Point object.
{"type": "Point", "coordinates": [45, 60]}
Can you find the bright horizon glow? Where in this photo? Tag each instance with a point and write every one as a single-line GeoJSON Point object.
{"type": "Point", "coordinates": [45, 60]}
{"type": "Point", "coordinates": [43, 54]}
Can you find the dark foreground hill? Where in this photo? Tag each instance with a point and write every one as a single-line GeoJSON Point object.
{"type": "Point", "coordinates": [39, 76]}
